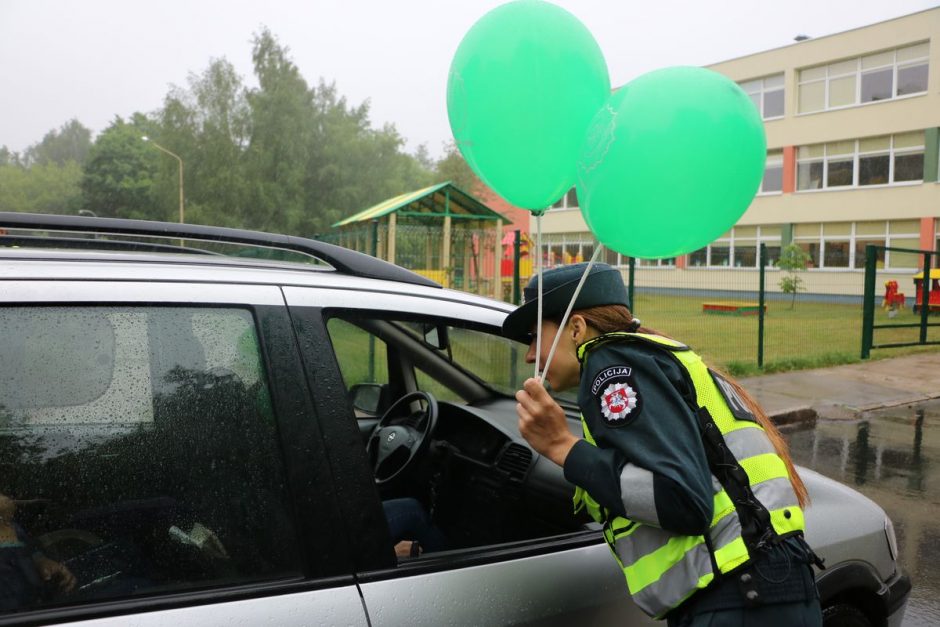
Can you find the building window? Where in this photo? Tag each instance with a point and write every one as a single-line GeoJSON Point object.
{"type": "Point", "coordinates": [872, 78]}
{"type": "Point", "coordinates": [767, 95]}
{"type": "Point", "coordinates": [738, 248]}
{"type": "Point", "coordinates": [568, 201]}
{"type": "Point", "coordinates": [842, 245]}
{"type": "Point", "coordinates": [560, 249]}
{"type": "Point", "coordinates": [654, 263]}
{"type": "Point", "coordinates": [773, 173]}
{"type": "Point", "coordinates": [859, 163]}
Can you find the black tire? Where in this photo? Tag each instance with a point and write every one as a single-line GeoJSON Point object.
{"type": "Point", "coordinates": [845, 615]}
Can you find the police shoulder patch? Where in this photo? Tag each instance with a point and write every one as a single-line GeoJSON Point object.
{"type": "Point", "coordinates": [616, 393]}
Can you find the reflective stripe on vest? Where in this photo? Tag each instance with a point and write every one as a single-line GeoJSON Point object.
{"type": "Point", "coordinates": [664, 569]}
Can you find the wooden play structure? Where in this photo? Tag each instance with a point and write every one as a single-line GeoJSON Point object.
{"type": "Point", "coordinates": [441, 232]}
{"type": "Point", "coordinates": [933, 297]}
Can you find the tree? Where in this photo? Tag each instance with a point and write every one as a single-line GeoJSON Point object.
{"type": "Point", "coordinates": [208, 125]}
{"type": "Point", "coordinates": [793, 260]}
{"type": "Point", "coordinates": [119, 175]}
{"type": "Point", "coordinates": [8, 157]}
{"type": "Point", "coordinates": [453, 167]}
{"type": "Point", "coordinates": [48, 188]}
{"type": "Point", "coordinates": [71, 142]}
{"type": "Point", "coordinates": [277, 154]}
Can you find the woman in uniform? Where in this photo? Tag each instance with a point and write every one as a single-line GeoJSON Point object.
{"type": "Point", "coordinates": [695, 489]}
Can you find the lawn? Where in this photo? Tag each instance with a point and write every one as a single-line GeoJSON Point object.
{"type": "Point", "coordinates": [811, 334]}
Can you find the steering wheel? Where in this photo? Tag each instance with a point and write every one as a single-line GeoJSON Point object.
{"type": "Point", "coordinates": [397, 439]}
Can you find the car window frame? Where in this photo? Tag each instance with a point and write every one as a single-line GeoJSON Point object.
{"type": "Point", "coordinates": [364, 509]}
{"type": "Point", "coordinates": [325, 559]}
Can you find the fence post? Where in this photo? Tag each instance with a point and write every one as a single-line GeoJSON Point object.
{"type": "Point", "coordinates": [925, 298]}
{"type": "Point", "coordinates": [375, 238]}
{"type": "Point", "coordinates": [631, 275]}
{"type": "Point", "coordinates": [762, 262]}
{"type": "Point", "coordinates": [516, 258]}
{"type": "Point", "coordinates": [868, 304]}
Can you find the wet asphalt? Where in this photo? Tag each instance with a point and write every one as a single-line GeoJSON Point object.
{"type": "Point", "coordinates": [874, 426]}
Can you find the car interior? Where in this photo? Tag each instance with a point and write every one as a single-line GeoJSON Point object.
{"type": "Point", "coordinates": [435, 408]}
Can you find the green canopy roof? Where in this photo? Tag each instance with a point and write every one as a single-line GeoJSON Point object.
{"type": "Point", "coordinates": [438, 200]}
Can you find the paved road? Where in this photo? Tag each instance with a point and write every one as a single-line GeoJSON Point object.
{"type": "Point", "coordinates": [848, 390]}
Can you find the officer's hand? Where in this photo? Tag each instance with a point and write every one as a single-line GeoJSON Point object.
{"type": "Point", "coordinates": [543, 423]}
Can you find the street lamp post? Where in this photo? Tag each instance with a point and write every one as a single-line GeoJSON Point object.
{"type": "Point", "coordinates": [177, 157]}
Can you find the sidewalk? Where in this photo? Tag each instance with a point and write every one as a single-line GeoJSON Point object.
{"type": "Point", "coordinates": [844, 391]}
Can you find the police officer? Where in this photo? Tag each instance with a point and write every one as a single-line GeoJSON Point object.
{"type": "Point", "coordinates": [699, 500]}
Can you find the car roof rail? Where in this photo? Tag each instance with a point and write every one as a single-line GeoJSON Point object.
{"type": "Point", "coordinates": [341, 259]}
{"type": "Point", "coordinates": [37, 241]}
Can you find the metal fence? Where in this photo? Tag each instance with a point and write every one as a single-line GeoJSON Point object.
{"type": "Point", "coordinates": [737, 318]}
{"type": "Point", "coordinates": [900, 330]}
{"type": "Point", "coordinates": [470, 260]}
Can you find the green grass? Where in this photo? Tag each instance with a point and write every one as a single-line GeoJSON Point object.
{"type": "Point", "coordinates": [810, 335]}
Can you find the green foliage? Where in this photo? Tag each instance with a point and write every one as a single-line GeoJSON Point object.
{"type": "Point", "coordinates": [282, 156]}
{"type": "Point", "coordinates": [208, 125]}
{"type": "Point", "coordinates": [453, 167]}
{"type": "Point", "coordinates": [793, 259]}
{"type": "Point", "coordinates": [47, 188]}
{"type": "Point", "coordinates": [118, 178]}
{"type": "Point", "coordinates": [46, 179]}
{"type": "Point", "coordinates": [8, 157]}
{"type": "Point", "coordinates": [71, 142]}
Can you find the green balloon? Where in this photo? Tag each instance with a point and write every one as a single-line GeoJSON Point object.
{"type": "Point", "coordinates": [524, 84]}
{"type": "Point", "coordinates": [670, 163]}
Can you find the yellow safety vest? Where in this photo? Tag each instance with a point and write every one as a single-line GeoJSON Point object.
{"type": "Point", "coordinates": [664, 569]}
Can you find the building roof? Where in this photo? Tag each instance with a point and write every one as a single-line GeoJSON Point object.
{"type": "Point", "coordinates": [434, 201]}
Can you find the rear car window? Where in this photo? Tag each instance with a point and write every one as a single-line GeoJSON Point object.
{"type": "Point", "coordinates": [138, 455]}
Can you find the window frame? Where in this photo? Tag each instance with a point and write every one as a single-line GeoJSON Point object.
{"type": "Point", "coordinates": [758, 87]}
{"type": "Point", "coordinates": [324, 555]}
{"type": "Point", "coordinates": [360, 494]}
{"type": "Point", "coordinates": [852, 239]}
{"type": "Point", "coordinates": [566, 202]}
{"type": "Point", "coordinates": [856, 156]}
{"type": "Point", "coordinates": [858, 73]}
{"type": "Point", "coordinates": [774, 160]}
{"type": "Point", "coordinates": [758, 238]}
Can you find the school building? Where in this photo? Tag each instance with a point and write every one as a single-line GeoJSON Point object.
{"type": "Point", "coordinates": [852, 122]}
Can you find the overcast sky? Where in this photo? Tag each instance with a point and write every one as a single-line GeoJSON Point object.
{"type": "Point", "coordinates": [95, 59]}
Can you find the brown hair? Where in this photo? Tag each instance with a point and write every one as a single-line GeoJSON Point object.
{"type": "Point", "coordinates": [611, 318]}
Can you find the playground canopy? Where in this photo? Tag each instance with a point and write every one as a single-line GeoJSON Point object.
{"type": "Point", "coordinates": [439, 231]}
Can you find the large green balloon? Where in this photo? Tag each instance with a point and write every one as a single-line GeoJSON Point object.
{"type": "Point", "coordinates": [524, 84]}
{"type": "Point", "coordinates": [670, 162]}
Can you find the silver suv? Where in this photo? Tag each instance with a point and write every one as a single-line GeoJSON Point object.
{"type": "Point", "coordinates": [195, 438]}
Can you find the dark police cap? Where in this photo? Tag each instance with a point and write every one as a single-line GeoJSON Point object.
{"type": "Point", "coordinates": [604, 286]}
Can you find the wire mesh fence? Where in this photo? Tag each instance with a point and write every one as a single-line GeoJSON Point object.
{"type": "Point", "coordinates": [467, 259]}
{"type": "Point", "coordinates": [714, 309]}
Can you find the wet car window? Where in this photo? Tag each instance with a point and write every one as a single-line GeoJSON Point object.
{"type": "Point", "coordinates": [141, 460]}
{"type": "Point", "coordinates": [36, 346]}
{"type": "Point", "coordinates": [362, 356]}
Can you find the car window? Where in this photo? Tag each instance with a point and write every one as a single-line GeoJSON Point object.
{"type": "Point", "coordinates": [138, 455]}
{"type": "Point", "coordinates": [498, 362]}
{"type": "Point", "coordinates": [362, 356]}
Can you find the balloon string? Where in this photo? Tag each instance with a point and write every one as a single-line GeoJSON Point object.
{"type": "Point", "coordinates": [538, 270]}
{"type": "Point", "coordinates": [564, 319]}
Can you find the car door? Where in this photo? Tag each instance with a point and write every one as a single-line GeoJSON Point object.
{"type": "Point", "coordinates": [559, 579]}
{"type": "Point", "coordinates": [161, 459]}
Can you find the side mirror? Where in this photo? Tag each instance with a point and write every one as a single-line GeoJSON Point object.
{"type": "Point", "coordinates": [435, 335]}
{"type": "Point", "coordinates": [366, 397]}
